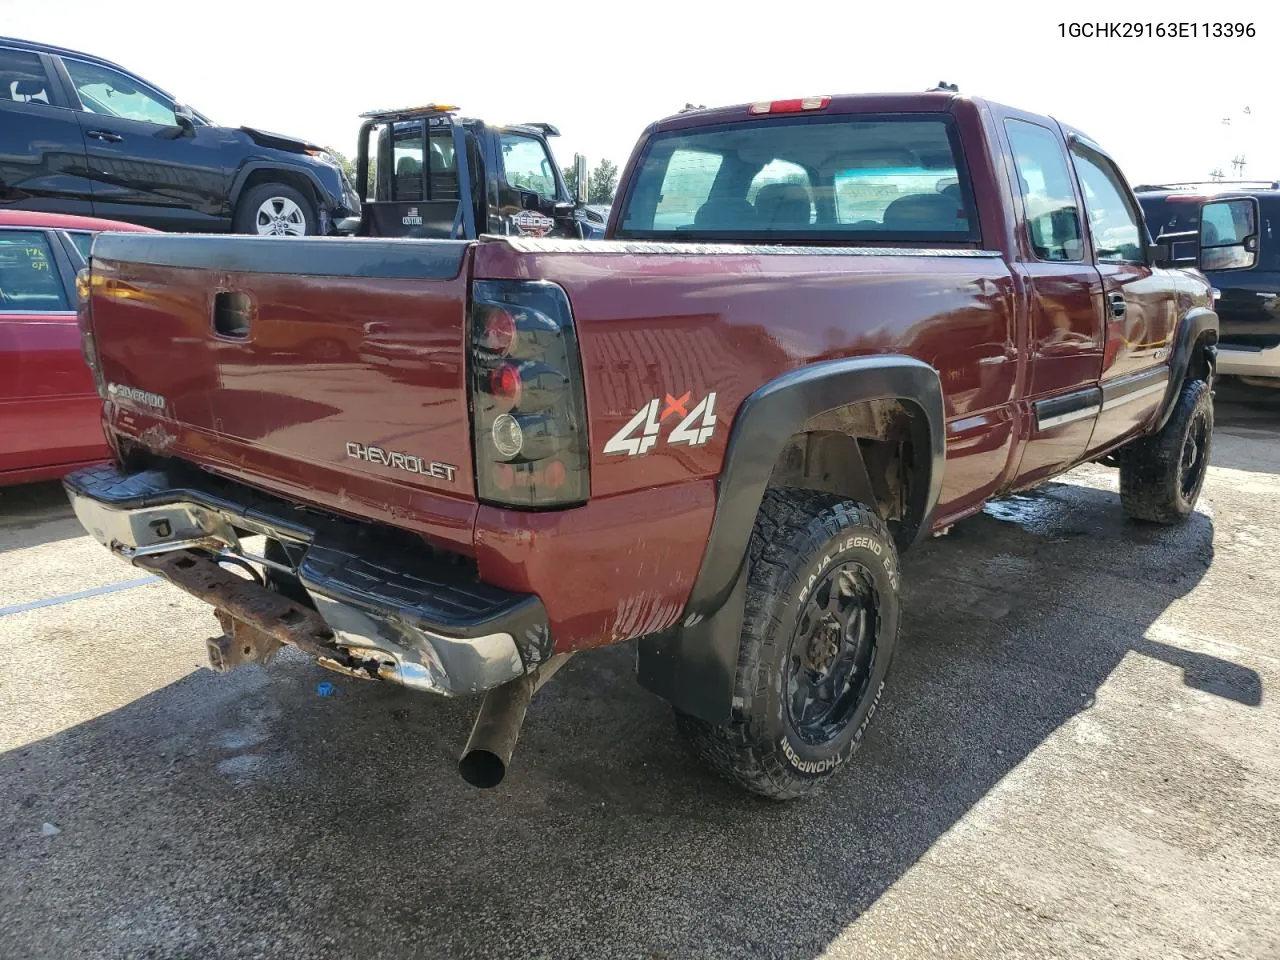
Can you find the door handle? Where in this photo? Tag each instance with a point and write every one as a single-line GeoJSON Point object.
{"type": "Point", "coordinates": [106, 135]}
{"type": "Point", "coordinates": [1117, 304]}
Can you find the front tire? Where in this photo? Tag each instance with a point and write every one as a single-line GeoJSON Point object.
{"type": "Point", "coordinates": [276, 209]}
{"type": "Point", "coordinates": [1161, 475]}
{"type": "Point", "coordinates": [819, 632]}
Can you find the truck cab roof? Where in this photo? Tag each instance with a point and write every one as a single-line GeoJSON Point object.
{"type": "Point", "coordinates": [928, 102]}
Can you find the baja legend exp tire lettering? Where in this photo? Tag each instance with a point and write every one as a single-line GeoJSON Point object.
{"type": "Point", "coordinates": [889, 565]}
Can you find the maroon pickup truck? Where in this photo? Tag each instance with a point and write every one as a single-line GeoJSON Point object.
{"type": "Point", "coordinates": [818, 331]}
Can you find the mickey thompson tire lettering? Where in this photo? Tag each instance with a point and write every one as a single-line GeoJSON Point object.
{"type": "Point", "coordinates": [799, 536]}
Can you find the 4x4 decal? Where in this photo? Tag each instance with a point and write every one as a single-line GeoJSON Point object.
{"type": "Point", "coordinates": [694, 429]}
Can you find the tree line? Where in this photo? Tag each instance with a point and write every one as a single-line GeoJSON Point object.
{"type": "Point", "coordinates": [602, 182]}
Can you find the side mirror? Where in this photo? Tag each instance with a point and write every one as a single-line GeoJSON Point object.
{"type": "Point", "coordinates": [1228, 238]}
{"type": "Point", "coordinates": [1160, 254]}
{"type": "Point", "coordinates": [184, 124]}
{"type": "Point", "coordinates": [580, 178]}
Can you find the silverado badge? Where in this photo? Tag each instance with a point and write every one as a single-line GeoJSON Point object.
{"type": "Point", "coordinates": [120, 391]}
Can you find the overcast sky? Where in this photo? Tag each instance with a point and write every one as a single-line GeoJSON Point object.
{"type": "Point", "coordinates": [603, 71]}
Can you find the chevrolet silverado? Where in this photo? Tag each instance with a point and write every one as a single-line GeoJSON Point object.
{"type": "Point", "coordinates": [817, 331]}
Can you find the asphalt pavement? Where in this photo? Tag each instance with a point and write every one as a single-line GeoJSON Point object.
{"type": "Point", "coordinates": [1078, 756]}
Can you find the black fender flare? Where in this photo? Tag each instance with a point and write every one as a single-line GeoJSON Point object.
{"type": "Point", "coordinates": [1197, 325]}
{"type": "Point", "coordinates": [324, 196]}
{"type": "Point", "coordinates": [694, 664]}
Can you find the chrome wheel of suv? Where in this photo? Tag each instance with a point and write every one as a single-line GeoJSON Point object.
{"type": "Point", "coordinates": [280, 217]}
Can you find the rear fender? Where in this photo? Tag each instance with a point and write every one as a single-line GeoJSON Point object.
{"type": "Point", "coordinates": [284, 172]}
{"type": "Point", "coordinates": [694, 665]}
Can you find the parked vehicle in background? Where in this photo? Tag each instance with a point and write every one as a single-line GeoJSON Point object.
{"type": "Point", "coordinates": [81, 135]}
{"type": "Point", "coordinates": [1247, 213]}
{"type": "Point", "coordinates": [818, 330]}
{"type": "Point", "coordinates": [438, 175]}
{"type": "Point", "coordinates": [50, 413]}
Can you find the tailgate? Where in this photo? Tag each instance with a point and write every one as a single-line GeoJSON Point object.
{"type": "Point", "coordinates": [322, 365]}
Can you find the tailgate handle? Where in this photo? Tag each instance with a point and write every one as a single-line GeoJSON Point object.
{"type": "Point", "coordinates": [232, 311]}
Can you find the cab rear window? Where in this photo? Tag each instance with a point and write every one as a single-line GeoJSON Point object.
{"type": "Point", "coordinates": [773, 180]}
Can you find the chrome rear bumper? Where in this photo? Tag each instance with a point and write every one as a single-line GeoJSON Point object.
{"type": "Point", "coordinates": [412, 617]}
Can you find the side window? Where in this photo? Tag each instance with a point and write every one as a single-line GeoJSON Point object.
{"type": "Point", "coordinates": [29, 279]}
{"type": "Point", "coordinates": [22, 77]}
{"type": "Point", "coordinates": [83, 241]}
{"type": "Point", "coordinates": [527, 165]}
{"type": "Point", "coordinates": [114, 94]}
{"type": "Point", "coordinates": [406, 161]}
{"type": "Point", "coordinates": [1115, 225]}
{"type": "Point", "coordinates": [1044, 180]}
{"type": "Point", "coordinates": [443, 168]}
{"type": "Point", "coordinates": [782, 195]}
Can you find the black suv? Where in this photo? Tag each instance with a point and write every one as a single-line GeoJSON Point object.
{"type": "Point", "coordinates": [81, 135]}
{"type": "Point", "coordinates": [1247, 231]}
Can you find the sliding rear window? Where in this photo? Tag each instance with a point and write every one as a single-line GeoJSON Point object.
{"type": "Point", "coordinates": [897, 178]}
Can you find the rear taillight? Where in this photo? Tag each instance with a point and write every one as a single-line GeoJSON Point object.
{"type": "Point", "coordinates": [528, 411]}
{"type": "Point", "coordinates": [84, 318]}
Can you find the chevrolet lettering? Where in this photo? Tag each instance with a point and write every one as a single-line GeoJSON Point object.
{"type": "Point", "coordinates": [402, 461]}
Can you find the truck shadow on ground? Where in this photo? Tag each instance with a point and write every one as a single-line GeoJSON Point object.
{"type": "Point", "coordinates": [246, 815]}
{"type": "Point", "coordinates": [35, 514]}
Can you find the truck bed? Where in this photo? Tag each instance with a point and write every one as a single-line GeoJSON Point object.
{"type": "Point", "coordinates": [363, 342]}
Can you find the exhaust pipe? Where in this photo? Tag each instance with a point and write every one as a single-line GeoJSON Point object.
{"type": "Point", "coordinates": [493, 739]}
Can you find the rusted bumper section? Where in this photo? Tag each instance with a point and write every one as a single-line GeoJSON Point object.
{"type": "Point", "coordinates": [378, 607]}
{"type": "Point", "coordinates": [256, 621]}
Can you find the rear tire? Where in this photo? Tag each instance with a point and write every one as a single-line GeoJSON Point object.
{"type": "Point", "coordinates": [276, 209]}
{"type": "Point", "coordinates": [1161, 475]}
{"type": "Point", "coordinates": [819, 632]}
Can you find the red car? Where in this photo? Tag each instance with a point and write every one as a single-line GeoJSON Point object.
{"type": "Point", "coordinates": [50, 413]}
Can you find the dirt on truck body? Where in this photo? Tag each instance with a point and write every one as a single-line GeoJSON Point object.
{"type": "Point", "coordinates": [818, 330]}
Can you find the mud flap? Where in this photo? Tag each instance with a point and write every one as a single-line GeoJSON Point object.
{"type": "Point", "coordinates": [694, 665]}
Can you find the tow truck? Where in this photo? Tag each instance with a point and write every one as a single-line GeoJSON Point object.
{"type": "Point", "coordinates": [438, 175]}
